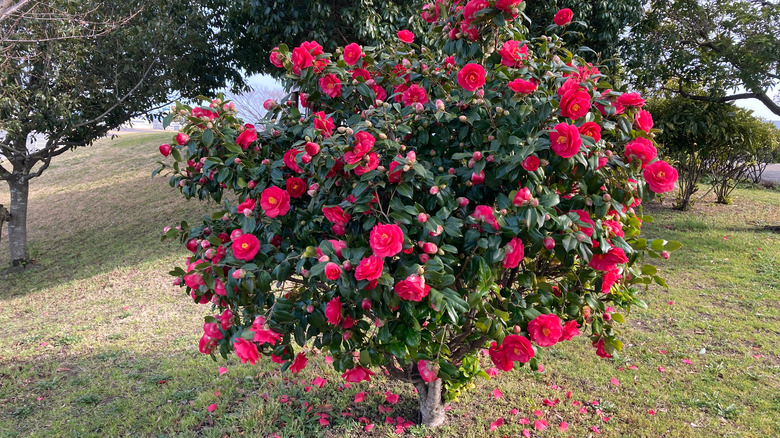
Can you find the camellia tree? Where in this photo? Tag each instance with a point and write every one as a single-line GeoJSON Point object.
{"type": "Point", "coordinates": [426, 208]}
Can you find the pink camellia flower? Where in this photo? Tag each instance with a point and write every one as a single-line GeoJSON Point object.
{"type": "Point", "coordinates": [323, 124]}
{"type": "Point", "coordinates": [514, 253]}
{"type": "Point", "coordinates": [247, 137]}
{"type": "Point", "coordinates": [643, 120]}
{"type": "Point", "coordinates": [165, 149]}
{"type": "Point", "coordinates": [471, 77]}
{"type": "Point", "coordinates": [478, 178]}
{"type": "Point", "coordinates": [570, 330]}
{"type": "Point", "coordinates": [264, 334]}
{"type": "Point", "coordinates": [516, 348]}
{"type": "Point", "coordinates": [296, 187]}
{"type": "Point", "coordinates": [405, 36]}
{"type": "Point", "coordinates": [248, 204]}
{"type": "Point", "coordinates": [430, 248]}
{"type": "Point", "coordinates": [545, 330]}
{"type": "Point", "coordinates": [608, 261]}
{"type": "Point", "coordinates": [565, 140]}
{"type": "Point", "coordinates": [276, 58]}
{"type": "Point", "coordinates": [246, 351]}
{"type": "Point", "coordinates": [289, 160]}
{"type": "Point", "coordinates": [513, 54]}
{"type": "Point", "coordinates": [485, 213]}
{"type": "Point", "coordinates": [370, 268]}
{"type": "Point", "coordinates": [226, 319]}
{"type": "Point", "coordinates": [631, 99]}
{"type": "Point", "coordinates": [641, 149]}
{"type": "Point", "coordinates": [301, 58]}
{"type": "Point", "coordinates": [182, 138]}
{"type": "Point", "coordinates": [563, 17]}
{"type": "Point", "coordinates": [332, 271]}
{"type": "Point", "coordinates": [523, 197]}
{"type": "Point", "coordinates": [352, 53]}
{"type": "Point", "coordinates": [333, 311]}
{"type": "Point", "coordinates": [206, 345]}
{"type": "Point", "coordinates": [246, 247]}
{"type": "Point", "coordinates": [203, 113]}
{"type": "Point", "coordinates": [211, 330]}
{"type": "Point", "coordinates": [521, 86]}
{"type": "Point", "coordinates": [413, 95]}
{"type": "Point", "coordinates": [471, 9]}
{"type": "Point", "coordinates": [299, 363]}
{"type": "Point", "coordinates": [357, 374]}
{"type": "Point", "coordinates": [312, 148]}
{"type": "Point", "coordinates": [592, 130]}
{"type": "Point", "coordinates": [531, 163]}
{"type": "Point", "coordinates": [219, 289]}
{"type": "Point", "coordinates": [331, 85]}
{"type": "Point", "coordinates": [413, 288]}
{"type": "Point", "coordinates": [660, 176]}
{"type": "Point", "coordinates": [338, 245]}
{"type": "Point", "coordinates": [429, 371]}
{"type": "Point", "coordinates": [275, 202]}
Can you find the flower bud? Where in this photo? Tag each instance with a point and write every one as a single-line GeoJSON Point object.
{"type": "Point", "coordinates": [463, 119]}
{"type": "Point", "coordinates": [433, 190]}
{"type": "Point", "coordinates": [366, 304]}
{"type": "Point", "coordinates": [477, 156]}
{"type": "Point", "coordinates": [350, 131]}
{"type": "Point", "coordinates": [177, 281]}
{"type": "Point", "coordinates": [549, 243]}
{"type": "Point", "coordinates": [665, 254]}
{"type": "Point", "coordinates": [451, 171]}
{"type": "Point", "coordinates": [347, 266]}
{"type": "Point", "coordinates": [581, 237]}
{"type": "Point", "coordinates": [424, 258]}
{"type": "Point", "coordinates": [463, 201]}
{"type": "Point", "coordinates": [422, 218]}
{"type": "Point", "coordinates": [239, 274]}
{"type": "Point", "coordinates": [439, 105]}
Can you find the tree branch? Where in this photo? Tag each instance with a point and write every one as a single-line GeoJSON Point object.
{"type": "Point", "coordinates": [766, 100]}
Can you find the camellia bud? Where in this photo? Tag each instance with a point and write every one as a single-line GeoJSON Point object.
{"type": "Point", "coordinates": [323, 259]}
{"type": "Point", "coordinates": [607, 317]}
{"type": "Point", "coordinates": [205, 244]}
{"type": "Point", "coordinates": [251, 185]}
{"type": "Point", "coordinates": [516, 329]}
{"type": "Point", "coordinates": [463, 201]}
{"type": "Point", "coordinates": [424, 258]}
{"type": "Point", "coordinates": [210, 253]}
{"type": "Point", "coordinates": [581, 237]}
{"type": "Point", "coordinates": [665, 254]}
{"type": "Point", "coordinates": [347, 266]}
{"type": "Point", "coordinates": [451, 171]}
{"type": "Point", "coordinates": [439, 105]}
{"type": "Point", "coordinates": [309, 309]}
{"type": "Point", "coordinates": [177, 281]}
{"type": "Point", "coordinates": [366, 304]}
{"type": "Point", "coordinates": [463, 119]}
{"type": "Point", "coordinates": [350, 131]}
{"type": "Point", "coordinates": [422, 218]}
{"type": "Point", "coordinates": [477, 156]}
{"type": "Point", "coordinates": [305, 273]}
{"type": "Point", "coordinates": [433, 190]}
{"type": "Point", "coordinates": [235, 234]}
{"type": "Point", "coordinates": [534, 202]}
{"type": "Point", "coordinates": [226, 217]}
{"type": "Point", "coordinates": [549, 243]}
{"type": "Point", "coordinates": [239, 274]}
{"type": "Point", "coordinates": [607, 197]}
{"type": "Point", "coordinates": [420, 271]}
{"type": "Point", "coordinates": [382, 136]}
{"type": "Point", "coordinates": [265, 162]}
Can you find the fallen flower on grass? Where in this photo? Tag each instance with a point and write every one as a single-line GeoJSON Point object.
{"type": "Point", "coordinates": [524, 421]}
{"type": "Point", "coordinates": [319, 382]}
{"type": "Point", "coordinates": [496, 424]}
{"type": "Point", "coordinates": [497, 393]}
{"type": "Point", "coordinates": [595, 429]}
{"type": "Point", "coordinates": [360, 396]}
{"type": "Point", "coordinates": [686, 361]}
{"type": "Point", "coordinates": [540, 424]}
{"type": "Point", "coordinates": [564, 426]}
{"type": "Point", "coordinates": [651, 411]}
{"type": "Point", "coordinates": [526, 433]}
{"type": "Point", "coordinates": [222, 370]}
{"type": "Point", "coordinates": [391, 398]}
{"type": "Point", "coordinates": [662, 369]}
{"type": "Point", "coordinates": [514, 412]}
{"type": "Point", "coordinates": [615, 381]}
{"type": "Point", "coordinates": [212, 407]}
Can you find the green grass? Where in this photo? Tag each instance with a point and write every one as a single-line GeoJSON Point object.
{"type": "Point", "coordinates": [96, 341]}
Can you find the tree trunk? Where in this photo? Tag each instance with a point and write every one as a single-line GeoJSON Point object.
{"type": "Point", "coordinates": [431, 403]}
{"type": "Point", "coordinates": [17, 224]}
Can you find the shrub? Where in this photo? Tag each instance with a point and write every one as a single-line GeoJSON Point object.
{"type": "Point", "coordinates": [422, 209]}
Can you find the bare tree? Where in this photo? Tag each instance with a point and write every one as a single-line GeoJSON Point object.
{"type": "Point", "coordinates": [250, 103]}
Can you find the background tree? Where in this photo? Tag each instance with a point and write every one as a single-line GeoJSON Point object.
{"type": "Point", "coordinates": [73, 70]}
{"type": "Point", "coordinates": [708, 50]}
{"type": "Point", "coordinates": [249, 103]}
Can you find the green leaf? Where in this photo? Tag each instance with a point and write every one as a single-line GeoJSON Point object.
{"type": "Point", "coordinates": [208, 138]}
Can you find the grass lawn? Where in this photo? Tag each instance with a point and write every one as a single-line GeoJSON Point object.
{"type": "Point", "coordinates": [96, 341]}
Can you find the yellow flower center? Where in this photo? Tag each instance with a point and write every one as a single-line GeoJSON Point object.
{"type": "Point", "coordinates": [244, 245]}
{"type": "Point", "coordinates": [272, 200]}
{"type": "Point", "coordinates": [546, 331]}
{"type": "Point", "coordinates": [661, 174]}
{"type": "Point", "coordinates": [575, 107]}
{"type": "Point", "coordinates": [562, 139]}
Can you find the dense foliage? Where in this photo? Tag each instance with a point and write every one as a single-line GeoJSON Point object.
{"type": "Point", "coordinates": [423, 208]}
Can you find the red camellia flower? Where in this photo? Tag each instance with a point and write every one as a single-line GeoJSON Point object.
{"type": "Point", "coordinates": [514, 253]}
{"type": "Point", "coordinates": [485, 213]}
{"type": "Point", "coordinates": [275, 202]}
{"type": "Point", "coordinates": [330, 85]}
{"type": "Point", "coordinates": [263, 333]}
{"type": "Point", "coordinates": [357, 374]}
{"type": "Point", "coordinates": [248, 204]}
{"type": "Point", "coordinates": [246, 351]}
{"type": "Point", "coordinates": [413, 288]}
{"type": "Point", "coordinates": [563, 17]}
{"type": "Point", "coordinates": [380, 92]}
{"type": "Point", "coordinates": [565, 140]}
{"type": "Point", "coordinates": [592, 130]}
{"type": "Point", "coordinates": [299, 363]}
{"type": "Point", "coordinates": [531, 163]}
{"type": "Point", "coordinates": [352, 53]}
{"type": "Point", "coordinates": [615, 228]}
{"type": "Point", "coordinates": [296, 187]}
{"type": "Point", "coordinates": [600, 350]}
{"type": "Point", "coordinates": [323, 124]}
{"type": "Point", "coordinates": [508, 6]}
{"type": "Point", "coordinates": [247, 137]}
{"type": "Point", "coordinates": [472, 7]}
{"type": "Point", "coordinates": [570, 330]}
{"type": "Point", "coordinates": [246, 247]}
{"type": "Point", "coordinates": [370, 268]}
{"type": "Point", "coordinates": [660, 176]}
{"type": "Point", "coordinates": [393, 173]}
{"type": "Point", "coordinates": [333, 311]}
{"type": "Point", "coordinates": [301, 58]}
{"type": "Point", "coordinates": [312, 148]}
{"type": "Point", "coordinates": [517, 348]}
{"type": "Point", "coordinates": [608, 261]}
{"type": "Point", "coordinates": [289, 160]}
{"type": "Point", "coordinates": [643, 120]}
{"type": "Point", "coordinates": [361, 74]}
{"type": "Point", "coordinates": [641, 149]}
{"type": "Point", "coordinates": [373, 163]}
{"type": "Point", "coordinates": [165, 149]}
{"type": "Point", "coordinates": [575, 103]}
{"type": "Point", "coordinates": [521, 86]}
{"type": "Point", "coordinates": [212, 331]}
{"type": "Point", "coordinates": [414, 94]}
{"type": "Point", "coordinates": [631, 99]}
{"type": "Point", "coordinates": [545, 330]}
{"type": "Point", "coordinates": [203, 112]}
{"type": "Point", "coordinates": [428, 370]}
{"type": "Point", "coordinates": [513, 54]}
{"type": "Point", "coordinates": [206, 345]}
{"type": "Point", "coordinates": [386, 240]}
{"type": "Point", "coordinates": [276, 58]}
{"type": "Point", "coordinates": [364, 142]}
{"type": "Point", "coordinates": [609, 280]}
{"type": "Point", "coordinates": [405, 36]}
{"type": "Point", "coordinates": [499, 359]}
{"type": "Point", "coordinates": [471, 77]}
{"type": "Point", "coordinates": [336, 215]}
{"type": "Point", "coordinates": [332, 271]}
{"type": "Point", "coordinates": [584, 216]}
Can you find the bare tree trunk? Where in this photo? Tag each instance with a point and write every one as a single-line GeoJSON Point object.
{"type": "Point", "coordinates": [17, 224]}
{"type": "Point", "coordinates": [431, 403]}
